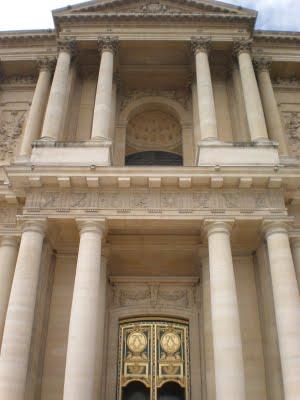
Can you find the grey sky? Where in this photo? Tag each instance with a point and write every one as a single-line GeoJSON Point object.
{"type": "Point", "coordinates": [36, 14]}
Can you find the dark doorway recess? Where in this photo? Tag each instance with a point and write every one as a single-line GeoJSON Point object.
{"type": "Point", "coordinates": [136, 391]}
{"type": "Point", "coordinates": [171, 391]}
{"type": "Point", "coordinates": [159, 158]}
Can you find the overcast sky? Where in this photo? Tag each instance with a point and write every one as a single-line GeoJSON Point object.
{"type": "Point", "coordinates": [36, 14]}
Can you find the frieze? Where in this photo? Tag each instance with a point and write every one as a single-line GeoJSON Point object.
{"type": "Point", "coordinates": [292, 82]}
{"type": "Point", "coordinates": [158, 200]}
{"type": "Point", "coordinates": [11, 126]}
{"type": "Point", "coordinates": [8, 215]}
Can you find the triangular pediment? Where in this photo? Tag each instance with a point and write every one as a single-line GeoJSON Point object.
{"type": "Point", "coordinates": [168, 7]}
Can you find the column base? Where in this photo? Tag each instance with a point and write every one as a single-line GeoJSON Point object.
{"type": "Point", "coordinates": [262, 153]}
{"type": "Point", "coordinates": [85, 153]}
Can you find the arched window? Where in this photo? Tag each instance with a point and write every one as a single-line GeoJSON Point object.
{"type": "Point", "coordinates": [153, 137]}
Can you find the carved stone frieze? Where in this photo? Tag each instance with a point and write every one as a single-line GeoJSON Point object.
{"type": "Point", "coordinates": [292, 126]}
{"type": "Point", "coordinates": [181, 96]}
{"type": "Point", "coordinates": [18, 80]}
{"type": "Point", "coordinates": [286, 82]}
{"type": "Point", "coordinates": [156, 201]}
{"type": "Point", "coordinates": [11, 125]}
{"type": "Point", "coordinates": [154, 295]}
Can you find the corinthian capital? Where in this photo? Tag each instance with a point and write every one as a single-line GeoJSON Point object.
{"type": "Point", "coordinates": [67, 45]}
{"type": "Point", "coordinates": [202, 44]}
{"type": "Point", "coordinates": [108, 43]}
{"type": "Point", "coordinates": [45, 64]}
{"type": "Point", "coordinates": [242, 46]}
{"type": "Point", "coordinates": [262, 64]}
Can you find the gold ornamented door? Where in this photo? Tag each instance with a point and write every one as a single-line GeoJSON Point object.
{"type": "Point", "coordinates": [153, 360]}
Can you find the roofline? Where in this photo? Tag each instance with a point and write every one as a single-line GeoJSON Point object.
{"type": "Point", "coordinates": [27, 31]}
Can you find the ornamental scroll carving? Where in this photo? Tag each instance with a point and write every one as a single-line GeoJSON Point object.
{"type": "Point", "coordinates": [156, 201]}
{"type": "Point", "coordinates": [292, 126]}
{"type": "Point", "coordinates": [11, 125]}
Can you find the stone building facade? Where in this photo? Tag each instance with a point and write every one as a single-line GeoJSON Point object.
{"type": "Point", "coordinates": [150, 205]}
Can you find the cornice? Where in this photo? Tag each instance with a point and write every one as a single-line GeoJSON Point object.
{"type": "Point", "coordinates": [282, 36]}
{"type": "Point", "coordinates": [35, 35]}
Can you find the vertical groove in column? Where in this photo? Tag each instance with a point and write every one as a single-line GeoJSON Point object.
{"type": "Point", "coordinates": [20, 314]}
{"type": "Point", "coordinates": [287, 306]}
{"type": "Point", "coordinates": [228, 354]}
{"type": "Point", "coordinates": [82, 341]}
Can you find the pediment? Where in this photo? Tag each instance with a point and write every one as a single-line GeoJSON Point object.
{"type": "Point", "coordinates": [160, 7]}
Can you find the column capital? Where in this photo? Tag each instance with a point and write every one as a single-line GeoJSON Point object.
{"type": "Point", "coordinates": [201, 44]}
{"type": "Point", "coordinates": [9, 240]}
{"type": "Point", "coordinates": [35, 225]}
{"type": "Point", "coordinates": [45, 64]}
{"type": "Point", "coordinates": [269, 227]}
{"type": "Point", "coordinates": [108, 43]}
{"type": "Point", "coordinates": [66, 45]}
{"type": "Point", "coordinates": [211, 226]}
{"type": "Point", "coordinates": [262, 64]}
{"type": "Point", "coordinates": [98, 226]}
{"type": "Point", "coordinates": [295, 240]}
{"type": "Point", "coordinates": [242, 46]}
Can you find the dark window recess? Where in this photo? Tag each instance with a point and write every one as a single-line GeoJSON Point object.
{"type": "Point", "coordinates": [136, 391]}
{"type": "Point", "coordinates": [171, 391]}
{"type": "Point", "coordinates": [159, 158]}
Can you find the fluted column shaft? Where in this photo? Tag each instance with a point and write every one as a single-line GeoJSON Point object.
{"type": "Point", "coordinates": [82, 343]}
{"type": "Point", "coordinates": [37, 110]}
{"type": "Point", "coordinates": [287, 306]}
{"type": "Point", "coordinates": [20, 313]}
{"type": "Point", "coordinates": [55, 108]}
{"type": "Point", "coordinates": [254, 109]}
{"type": "Point", "coordinates": [8, 257]}
{"type": "Point", "coordinates": [273, 120]}
{"type": "Point", "coordinates": [228, 355]}
{"type": "Point", "coordinates": [103, 102]}
{"type": "Point", "coordinates": [206, 103]}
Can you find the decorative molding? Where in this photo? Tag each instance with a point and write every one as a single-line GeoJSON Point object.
{"type": "Point", "coordinates": [156, 201]}
{"type": "Point", "coordinates": [18, 80]}
{"type": "Point", "coordinates": [108, 43]}
{"type": "Point", "coordinates": [67, 45]}
{"type": "Point", "coordinates": [8, 215]}
{"type": "Point", "coordinates": [293, 83]}
{"type": "Point", "coordinates": [11, 126]}
{"type": "Point", "coordinates": [242, 46]}
{"type": "Point", "coordinates": [202, 44]}
{"type": "Point", "coordinates": [292, 126]}
{"type": "Point", "coordinates": [262, 64]}
{"type": "Point", "coordinates": [46, 64]}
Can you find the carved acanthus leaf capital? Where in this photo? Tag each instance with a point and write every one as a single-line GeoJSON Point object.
{"type": "Point", "coordinates": [202, 44]}
{"type": "Point", "coordinates": [262, 64]}
{"type": "Point", "coordinates": [67, 45]}
{"type": "Point", "coordinates": [242, 46]}
{"type": "Point", "coordinates": [45, 64]}
{"type": "Point", "coordinates": [108, 43]}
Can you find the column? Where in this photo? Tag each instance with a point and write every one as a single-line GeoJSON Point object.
{"type": "Point", "coordinates": [254, 109]}
{"type": "Point", "coordinates": [55, 108]}
{"type": "Point", "coordinates": [20, 313]}
{"type": "Point", "coordinates": [37, 110]}
{"type": "Point", "coordinates": [287, 305]}
{"type": "Point", "coordinates": [273, 119]}
{"type": "Point", "coordinates": [116, 83]}
{"type": "Point", "coordinates": [296, 256]}
{"type": "Point", "coordinates": [240, 103]}
{"type": "Point", "coordinates": [206, 104]}
{"type": "Point", "coordinates": [8, 257]}
{"type": "Point", "coordinates": [103, 101]}
{"type": "Point", "coordinates": [228, 355]}
{"type": "Point", "coordinates": [196, 122]}
{"type": "Point", "coordinates": [89, 287]}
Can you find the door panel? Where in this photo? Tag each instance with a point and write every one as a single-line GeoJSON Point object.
{"type": "Point", "coordinates": [153, 354]}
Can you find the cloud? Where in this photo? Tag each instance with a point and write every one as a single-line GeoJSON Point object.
{"type": "Point", "coordinates": [274, 14]}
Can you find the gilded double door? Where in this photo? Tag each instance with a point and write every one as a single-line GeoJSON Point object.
{"type": "Point", "coordinates": [153, 360]}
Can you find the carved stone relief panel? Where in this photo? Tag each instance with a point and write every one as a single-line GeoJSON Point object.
{"type": "Point", "coordinates": [292, 126]}
{"type": "Point", "coordinates": [8, 215]}
{"type": "Point", "coordinates": [11, 126]}
{"type": "Point", "coordinates": [152, 201]}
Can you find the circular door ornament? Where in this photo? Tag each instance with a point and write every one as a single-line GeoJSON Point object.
{"type": "Point", "coordinates": [137, 342]}
{"type": "Point", "coordinates": [170, 342]}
